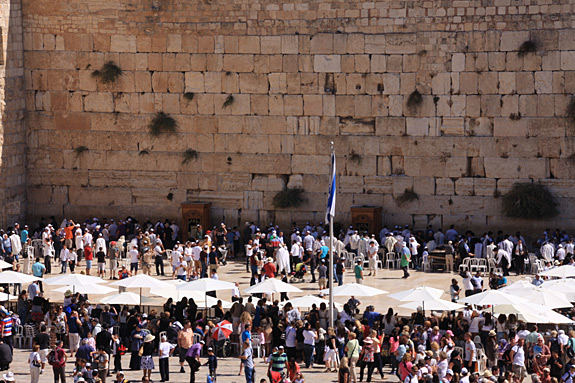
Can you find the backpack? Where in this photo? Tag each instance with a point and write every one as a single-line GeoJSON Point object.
{"type": "Point", "coordinates": [569, 351]}
{"type": "Point", "coordinates": [53, 358]}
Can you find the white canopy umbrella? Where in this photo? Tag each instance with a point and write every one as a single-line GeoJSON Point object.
{"type": "Point", "coordinates": [417, 294]}
{"type": "Point", "coordinates": [492, 298]}
{"type": "Point", "coordinates": [564, 286]}
{"type": "Point", "coordinates": [5, 265]}
{"type": "Point", "coordinates": [308, 301]}
{"type": "Point", "coordinates": [7, 297]}
{"type": "Point", "coordinates": [564, 271]}
{"type": "Point", "coordinates": [86, 289]}
{"type": "Point", "coordinates": [356, 290]}
{"type": "Point", "coordinates": [532, 313]}
{"type": "Point", "coordinates": [206, 284]}
{"type": "Point", "coordinates": [198, 296]}
{"type": "Point", "coordinates": [16, 277]}
{"type": "Point", "coordinates": [126, 298]}
{"type": "Point", "coordinates": [141, 281]}
{"type": "Point", "coordinates": [271, 286]}
{"type": "Point", "coordinates": [433, 304]}
{"type": "Point", "coordinates": [518, 286]}
{"type": "Point", "coordinates": [74, 281]}
{"type": "Point", "coordinates": [541, 296]}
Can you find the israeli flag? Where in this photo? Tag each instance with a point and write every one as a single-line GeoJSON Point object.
{"type": "Point", "coordinates": [330, 213]}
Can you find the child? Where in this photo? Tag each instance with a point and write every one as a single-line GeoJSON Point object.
{"type": "Point", "coordinates": [212, 363]}
{"type": "Point", "coordinates": [35, 364]}
{"type": "Point", "coordinates": [165, 350]}
{"type": "Point", "coordinates": [299, 378]}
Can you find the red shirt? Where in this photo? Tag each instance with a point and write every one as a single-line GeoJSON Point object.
{"type": "Point", "coordinates": [270, 270]}
{"type": "Point", "coordinates": [88, 253]}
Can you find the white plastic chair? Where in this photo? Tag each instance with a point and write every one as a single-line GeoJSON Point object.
{"type": "Point", "coordinates": [426, 264]}
{"type": "Point", "coordinates": [465, 265]}
{"type": "Point", "coordinates": [18, 335]}
{"type": "Point", "coordinates": [258, 346]}
{"type": "Point", "coordinates": [378, 262]}
{"type": "Point", "coordinates": [478, 264]}
{"type": "Point", "coordinates": [29, 334]}
{"type": "Point", "coordinates": [493, 267]}
{"type": "Point", "coordinates": [390, 261]}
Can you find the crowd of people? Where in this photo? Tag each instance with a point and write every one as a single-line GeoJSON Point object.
{"type": "Point", "coordinates": [443, 347]}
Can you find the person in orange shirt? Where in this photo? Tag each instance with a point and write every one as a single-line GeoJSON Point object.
{"type": "Point", "coordinates": [69, 234]}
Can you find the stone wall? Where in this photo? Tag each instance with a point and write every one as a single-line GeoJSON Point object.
{"type": "Point", "coordinates": [12, 112]}
{"type": "Point", "coordinates": [301, 75]}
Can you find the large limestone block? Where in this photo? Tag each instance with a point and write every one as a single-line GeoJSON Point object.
{"type": "Point", "coordinates": [464, 186]}
{"type": "Point", "coordinates": [400, 43]}
{"type": "Point", "coordinates": [238, 63]}
{"type": "Point", "coordinates": [350, 184]}
{"type": "Point", "coordinates": [249, 44]}
{"type": "Point", "coordinates": [327, 63]}
{"type": "Point", "coordinates": [99, 102]}
{"type": "Point", "coordinates": [305, 164]}
{"type": "Point", "coordinates": [511, 41]}
{"type": "Point", "coordinates": [271, 44]}
{"type": "Point", "coordinates": [424, 186]}
{"type": "Point", "coordinates": [378, 185]}
{"type": "Point", "coordinates": [546, 127]}
{"type": "Point", "coordinates": [123, 43]}
{"type": "Point", "coordinates": [160, 82]}
{"type": "Point", "coordinates": [375, 44]}
{"type": "Point", "coordinates": [417, 126]}
{"type": "Point", "coordinates": [543, 82]}
{"type": "Point", "coordinates": [506, 127]}
{"type": "Point", "coordinates": [253, 83]}
{"type": "Point", "coordinates": [458, 62]}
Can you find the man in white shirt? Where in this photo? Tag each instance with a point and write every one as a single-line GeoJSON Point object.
{"type": "Point", "coordinates": [296, 253]}
{"type": "Point", "coordinates": [467, 285]}
{"type": "Point", "coordinates": [134, 259]}
{"type": "Point", "coordinates": [196, 251]}
{"type": "Point", "coordinates": [470, 357]}
{"type": "Point", "coordinates": [64, 258]}
{"type": "Point", "coordinates": [517, 354]}
{"type": "Point", "coordinates": [87, 239]}
{"type": "Point", "coordinates": [372, 256]}
{"type": "Point", "coordinates": [175, 261]}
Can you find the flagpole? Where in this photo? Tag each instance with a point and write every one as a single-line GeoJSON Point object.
{"type": "Point", "coordinates": [331, 265]}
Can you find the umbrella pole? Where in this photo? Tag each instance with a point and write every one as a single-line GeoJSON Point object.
{"type": "Point", "coordinates": [331, 265]}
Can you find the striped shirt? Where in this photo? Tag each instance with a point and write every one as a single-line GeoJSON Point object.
{"type": "Point", "coordinates": [7, 326]}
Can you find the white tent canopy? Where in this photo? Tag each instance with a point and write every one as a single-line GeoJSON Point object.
{"type": "Point", "coordinates": [206, 284]}
{"type": "Point", "coordinates": [94, 289]}
{"type": "Point", "coordinates": [356, 290]}
{"type": "Point", "coordinates": [308, 301]}
{"type": "Point", "coordinates": [417, 294]}
{"type": "Point", "coordinates": [142, 281]}
{"type": "Point", "coordinates": [130, 299]}
{"type": "Point", "coordinates": [542, 296]}
{"type": "Point", "coordinates": [565, 271]}
{"type": "Point", "coordinates": [272, 286]}
{"type": "Point", "coordinates": [16, 277]}
{"type": "Point", "coordinates": [433, 304]}
{"type": "Point", "coordinates": [492, 298]}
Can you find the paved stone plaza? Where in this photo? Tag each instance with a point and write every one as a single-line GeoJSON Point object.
{"type": "Point", "coordinates": [228, 368]}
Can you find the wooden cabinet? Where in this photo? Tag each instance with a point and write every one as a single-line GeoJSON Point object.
{"type": "Point", "coordinates": [366, 219]}
{"type": "Point", "coordinates": [195, 217]}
